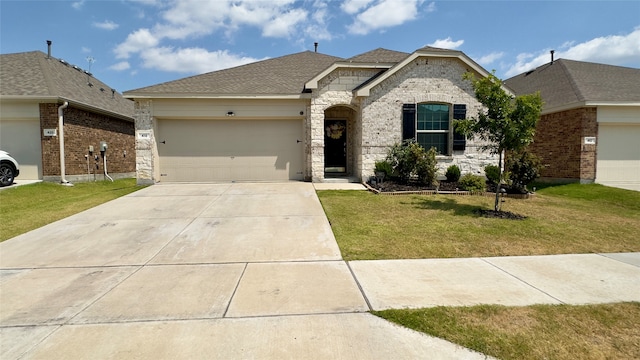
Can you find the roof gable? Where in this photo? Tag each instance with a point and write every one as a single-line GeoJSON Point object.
{"type": "Point", "coordinates": [283, 75]}
{"type": "Point", "coordinates": [36, 75]}
{"type": "Point", "coordinates": [424, 52]}
{"type": "Point", "coordinates": [570, 83]}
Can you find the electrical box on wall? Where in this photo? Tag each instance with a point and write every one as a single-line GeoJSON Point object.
{"type": "Point", "coordinates": [103, 146]}
{"type": "Point", "coordinates": [50, 132]}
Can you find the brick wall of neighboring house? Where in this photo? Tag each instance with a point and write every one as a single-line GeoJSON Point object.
{"type": "Point", "coordinates": [559, 143]}
{"type": "Point", "coordinates": [82, 129]}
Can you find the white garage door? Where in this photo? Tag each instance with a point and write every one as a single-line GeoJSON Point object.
{"type": "Point", "coordinates": [619, 156]}
{"type": "Point", "coordinates": [21, 138]}
{"type": "Point", "coordinates": [230, 150]}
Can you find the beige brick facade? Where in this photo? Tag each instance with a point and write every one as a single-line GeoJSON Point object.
{"type": "Point", "coordinates": [375, 121]}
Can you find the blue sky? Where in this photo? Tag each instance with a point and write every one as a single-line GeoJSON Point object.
{"type": "Point", "coordinates": [129, 44]}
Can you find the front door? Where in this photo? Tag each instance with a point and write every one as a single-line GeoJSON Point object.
{"type": "Point", "coordinates": [335, 146]}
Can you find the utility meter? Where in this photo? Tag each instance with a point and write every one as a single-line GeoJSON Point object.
{"type": "Point", "coordinates": [103, 146]}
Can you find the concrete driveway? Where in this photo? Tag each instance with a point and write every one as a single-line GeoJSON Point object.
{"type": "Point", "coordinates": [173, 271]}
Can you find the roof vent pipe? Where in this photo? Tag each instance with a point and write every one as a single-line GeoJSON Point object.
{"type": "Point", "coordinates": [315, 46]}
{"type": "Point", "coordinates": [552, 52]}
{"type": "Point", "coordinates": [48, 49]}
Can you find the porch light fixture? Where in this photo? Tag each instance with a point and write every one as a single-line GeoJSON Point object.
{"type": "Point", "coordinates": [230, 113]}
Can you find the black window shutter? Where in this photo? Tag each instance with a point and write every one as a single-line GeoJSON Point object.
{"type": "Point", "coordinates": [408, 121]}
{"type": "Point", "coordinates": [459, 140]}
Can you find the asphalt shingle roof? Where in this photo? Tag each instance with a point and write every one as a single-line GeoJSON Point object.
{"type": "Point", "coordinates": [565, 82]}
{"type": "Point", "coordinates": [34, 74]}
{"type": "Point", "coordinates": [379, 55]}
{"type": "Point", "coordinates": [285, 75]}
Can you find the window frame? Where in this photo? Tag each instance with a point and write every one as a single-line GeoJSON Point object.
{"type": "Point", "coordinates": [410, 125]}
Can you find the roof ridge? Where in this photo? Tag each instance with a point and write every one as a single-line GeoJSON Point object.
{"type": "Point", "coordinates": [574, 84]}
{"type": "Point", "coordinates": [51, 87]}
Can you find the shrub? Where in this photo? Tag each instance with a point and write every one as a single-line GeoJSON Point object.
{"type": "Point", "coordinates": [493, 174]}
{"type": "Point", "coordinates": [453, 173]}
{"type": "Point", "coordinates": [385, 167]}
{"type": "Point", "coordinates": [410, 159]}
{"type": "Point", "coordinates": [524, 167]}
{"type": "Point", "coordinates": [427, 166]}
{"type": "Point", "coordinates": [473, 183]}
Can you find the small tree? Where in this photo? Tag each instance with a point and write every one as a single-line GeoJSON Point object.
{"type": "Point", "coordinates": [506, 123]}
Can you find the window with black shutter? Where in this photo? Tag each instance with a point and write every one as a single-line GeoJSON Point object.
{"type": "Point", "coordinates": [430, 125]}
{"type": "Point", "coordinates": [459, 140]}
{"type": "Point", "coordinates": [408, 121]}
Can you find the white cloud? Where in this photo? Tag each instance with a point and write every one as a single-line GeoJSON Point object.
{"type": "Point", "coordinates": [285, 24]}
{"type": "Point", "coordinates": [611, 49]}
{"type": "Point", "coordinates": [106, 25]}
{"type": "Point", "coordinates": [431, 7]}
{"type": "Point", "coordinates": [188, 19]}
{"type": "Point", "coordinates": [77, 4]}
{"type": "Point", "coordinates": [121, 66]}
{"type": "Point", "coordinates": [85, 50]}
{"type": "Point", "coordinates": [353, 6]}
{"type": "Point", "coordinates": [490, 58]}
{"type": "Point", "coordinates": [447, 43]}
{"type": "Point", "coordinates": [191, 60]}
{"type": "Point", "coordinates": [384, 14]}
{"type": "Point", "coordinates": [137, 41]}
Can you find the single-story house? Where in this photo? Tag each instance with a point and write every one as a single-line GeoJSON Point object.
{"type": "Point", "coordinates": [35, 88]}
{"type": "Point", "coordinates": [306, 116]}
{"type": "Point", "coordinates": [590, 122]}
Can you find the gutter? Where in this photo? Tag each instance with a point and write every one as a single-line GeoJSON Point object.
{"type": "Point", "coordinates": [63, 179]}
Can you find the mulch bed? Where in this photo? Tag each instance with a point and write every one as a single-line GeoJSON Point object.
{"type": "Point", "coordinates": [390, 187]}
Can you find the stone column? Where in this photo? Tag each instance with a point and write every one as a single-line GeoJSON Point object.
{"type": "Point", "coordinates": [145, 143]}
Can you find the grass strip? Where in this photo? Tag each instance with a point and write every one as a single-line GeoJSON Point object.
{"type": "Point", "coordinates": [29, 207]}
{"type": "Point", "coordinates": [608, 331]}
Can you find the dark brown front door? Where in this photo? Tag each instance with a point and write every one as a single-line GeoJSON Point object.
{"type": "Point", "coordinates": [335, 146]}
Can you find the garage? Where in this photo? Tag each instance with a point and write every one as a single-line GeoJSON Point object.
{"type": "Point", "coordinates": [619, 156]}
{"type": "Point", "coordinates": [230, 150]}
{"type": "Point", "coordinates": [21, 138]}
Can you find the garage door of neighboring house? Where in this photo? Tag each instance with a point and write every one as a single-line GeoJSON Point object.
{"type": "Point", "coordinates": [619, 156]}
{"type": "Point", "coordinates": [230, 150]}
{"type": "Point", "coordinates": [21, 138]}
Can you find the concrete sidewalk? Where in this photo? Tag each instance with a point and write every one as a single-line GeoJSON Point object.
{"type": "Point", "coordinates": [511, 281]}
{"type": "Point", "coordinates": [251, 271]}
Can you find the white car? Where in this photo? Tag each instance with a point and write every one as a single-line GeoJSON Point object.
{"type": "Point", "coordinates": [9, 169]}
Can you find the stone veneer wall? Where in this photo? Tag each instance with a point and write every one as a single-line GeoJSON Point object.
{"type": "Point", "coordinates": [559, 143]}
{"type": "Point", "coordinates": [425, 80]}
{"type": "Point", "coordinates": [145, 143]}
{"type": "Point", "coordinates": [336, 89]}
{"type": "Point", "coordinates": [81, 130]}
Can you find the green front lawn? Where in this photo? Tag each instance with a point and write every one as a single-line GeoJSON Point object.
{"type": "Point", "coordinates": [561, 219]}
{"type": "Point", "coordinates": [562, 332]}
{"type": "Point", "coordinates": [29, 207]}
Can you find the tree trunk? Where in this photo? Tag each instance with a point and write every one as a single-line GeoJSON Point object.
{"type": "Point", "coordinates": [499, 185]}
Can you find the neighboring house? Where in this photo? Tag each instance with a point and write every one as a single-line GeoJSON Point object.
{"type": "Point", "coordinates": [589, 130]}
{"type": "Point", "coordinates": [306, 116]}
{"type": "Point", "coordinates": [33, 88]}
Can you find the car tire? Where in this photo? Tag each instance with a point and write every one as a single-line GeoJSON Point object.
{"type": "Point", "coordinates": [6, 175]}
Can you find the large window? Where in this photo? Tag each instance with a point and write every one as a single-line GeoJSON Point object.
{"type": "Point", "coordinates": [433, 127]}
{"type": "Point", "coordinates": [430, 124]}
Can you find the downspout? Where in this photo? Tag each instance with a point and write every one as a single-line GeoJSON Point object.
{"type": "Point", "coordinates": [63, 179]}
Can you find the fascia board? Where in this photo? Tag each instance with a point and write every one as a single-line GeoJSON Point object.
{"type": "Point", "coordinates": [150, 96]}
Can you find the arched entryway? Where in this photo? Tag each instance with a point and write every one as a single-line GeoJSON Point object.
{"type": "Point", "coordinates": [339, 131]}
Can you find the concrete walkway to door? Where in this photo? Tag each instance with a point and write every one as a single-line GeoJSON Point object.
{"type": "Point", "coordinates": [227, 271]}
